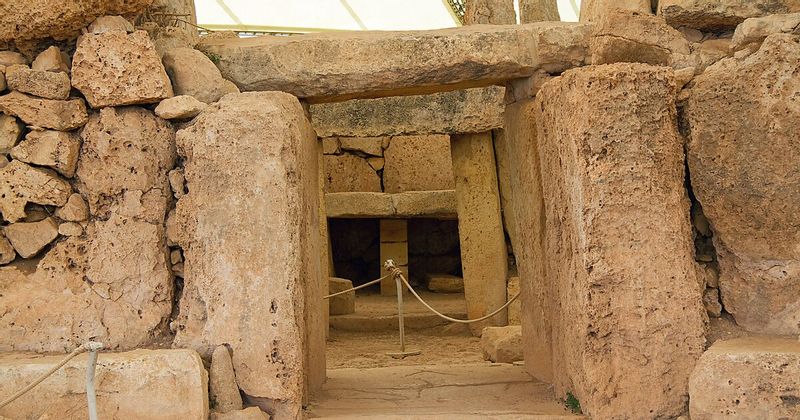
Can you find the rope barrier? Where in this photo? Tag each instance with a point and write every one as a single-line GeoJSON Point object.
{"type": "Point", "coordinates": [359, 287]}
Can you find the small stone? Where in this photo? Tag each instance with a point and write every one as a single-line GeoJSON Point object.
{"type": "Point", "coordinates": [175, 256]}
{"type": "Point", "coordinates": [330, 146]}
{"type": "Point", "coordinates": [51, 59]}
{"type": "Point", "coordinates": [110, 23]}
{"type": "Point", "coordinates": [76, 209]}
{"type": "Point", "coordinates": [10, 132]}
{"type": "Point", "coordinates": [249, 413]}
{"type": "Point", "coordinates": [46, 113]}
{"type": "Point", "coordinates": [21, 184]}
{"type": "Point", "coordinates": [502, 344]}
{"type": "Point", "coordinates": [222, 388]}
{"type": "Point", "coordinates": [3, 161]}
{"type": "Point", "coordinates": [30, 238]}
{"type": "Point", "coordinates": [181, 107]}
{"type": "Point", "coordinates": [445, 283]}
{"type": "Point", "coordinates": [712, 303]}
{"type": "Point", "coordinates": [194, 74]}
{"type": "Point", "coordinates": [177, 269]}
{"type": "Point", "coordinates": [35, 213]}
{"type": "Point", "coordinates": [70, 229]}
{"type": "Point", "coordinates": [684, 76]}
{"type": "Point", "coordinates": [44, 84]}
{"type": "Point", "coordinates": [7, 253]}
{"type": "Point", "coordinates": [3, 83]}
{"type": "Point", "coordinates": [9, 58]}
{"type": "Point", "coordinates": [56, 149]}
{"type": "Point", "coordinates": [177, 182]}
{"type": "Point", "coordinates": [345, 303]}
{"type": "Point", "coordinates": [367, 145]}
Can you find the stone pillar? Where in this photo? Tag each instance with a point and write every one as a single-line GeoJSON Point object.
{"type": "Point", "coordinates": [394, 246]}
{"type": "Point", "coordinates": [493, 12]}
{"type": "Point", "coordinates": [484, 258]}
{"type": "Point", "coordinates": [592, 10]}
{"type": "Point", "coordinates": [249, 228]}
{"type": "Point", "coordinates": [531, 11]}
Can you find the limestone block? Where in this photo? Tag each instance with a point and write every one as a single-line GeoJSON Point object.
{"type": "Point", "coordinates": [56, 149]}
{"type": "Point", "coordinates": [3, 84]}
{"type": "Point", "coordinates": [613, 252]}
{"type": "Point", "coordinates": [51, 59]}
{"type": "Point", "coordinates": [222, 388]}
{"type": "Point", "coordinates": [747, 378]}
{"type": "Point", "coordinates": [484, 257]}
{"type": "Point", "coordinates": [110, 23]}
{"type": "Point", "coordinates": [460, 111]}
{"type": "Point", "coordinates": [70, 229]}
{"type": "Point", "coordinates": [436, 204]}
{"type": "Point", "coordinates": [396, 251]}
{"type": "Point", "coordinates": [44, 84]}
{"type": "Point", "coordinates": [595, 10]}
{"type": "Point", "coordinates": [742, 154]}
{"type": "Point", "coordinates": [755, 30]}
{"type": "Point", "coordinates": [330, 146]}
{"type": "Point", "coordinates": [626, 36]}
{"type": "Point", "coordinates": [493, 12]}
{"type": "Point", "coordinates": [249, 233]}
{"type": "Point", "coordinates": [393, 230]}
{"type": "Point", "coordinates": [125, 157]}
{"type": "Point", "coordinates": [30, 238]}
{"type": "Point", "coordinates": [382, 63]}
{"type": "Point", "coordinates": [359, 204]}
{"type": "Point", "coordinates": [376, 163]}
{"type": "Point", "coordinates": [24, 20]}
{"type": "Point", "coordinates": [10, 132]}
{"type": "Point", "coordinates": [10, 58]}
{"type": "Point", "coordinates": [709, 52]}
{"type": "Point", "coordinates": [502, 344]}
{"type": "Point", "coordinates": [181, 107]}
{"type": "Point", "coordinates": [504, 175]}
{"type": "Point", "coordinates": [531, 11]}
{"type": "Point", "coordinates": [349, 173]}
{"type": "Point", "coordinates": [194, 74]}
{"type": "Point", "coordinates": [21, 184]}
{"type": "Point", "coordinates": [45, 113]}
{"type": "Point", "coordinates": [720, 15]}
{"type": "Point", "coordinates": [418, 163]}
{"type": "Point", "coordinates": [140, 384]}
{"type": "Point", "coordinates": [250, 413]}
{"type": "Point", "coordinates": [116, 68]}
{"type": "Point", "coordinates": [7, 253]}
{"type": "Point", "coordinates": [512, 289]}
{"type": "Point", "coordinates": [343, 304]}
{"type": "Point", "coordinates": [367, 145]}
{"type": "Point", "coordinates": [75, 210]}
{"type": "Point", "coordinates": [445, 283]}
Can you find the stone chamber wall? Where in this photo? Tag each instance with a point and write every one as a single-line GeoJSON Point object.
{"type": "Point", "coordinates": [646, 164]}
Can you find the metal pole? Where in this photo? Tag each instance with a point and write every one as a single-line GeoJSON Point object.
{"type": "Point", "coordinates": [400, 314]}
{"type": "Point", "coordinates": [91, 396]}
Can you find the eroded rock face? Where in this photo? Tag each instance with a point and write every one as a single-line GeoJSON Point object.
{"type": "Point", "coordinates": [45, 113]}
{"type": "Point", "coordinates": [21, 184]}
{"type": "Point", "coordinates": [502, 344]}
{"type": "Point", "coordinates": [493, 12]}
{"type": "Point", "coordinates": [51, 59]}
{"type": "Point", "coordinates": [743, 155]}
{"type": "Point", "coordinates": [10, 132]}
{"type": "Point", "coordinates": [626, 36]}
{"type": "Point", "coordinates": [41, 83]}
{"type": "Point", "coordinates": [755, 30]}
{"type": "Point", "coordinates": [538, 11]}
{"type": "Point", "coordinates": [56, 149]}
{"type": "Point", "coordinates": [194, 74]}
{"type": "Point", "coordinates": [418, 163]}
{"type": "Point", "coordinates": [179, 108]}
{"type": "Point", "coordinates": [349, 173]}
{"type": "Point", "coordinates": [249, 232]}
{"type": "Point", "coordinates": [30, 238]}
{"type": "Point", "coordinates": [594, 10]}
{"type": "Point", "coordinates": [222, 388]}
{"type": "Point", "coordinates": [115, 68]}
{"type": "Point", "coordinates": [720, 15]}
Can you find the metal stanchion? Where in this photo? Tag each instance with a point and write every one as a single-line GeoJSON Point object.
{"type": "Point", "coordinates": [402, 353]}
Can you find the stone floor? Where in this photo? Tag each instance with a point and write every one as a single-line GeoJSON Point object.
{"type": "Point", "coordinates": [478, 390]}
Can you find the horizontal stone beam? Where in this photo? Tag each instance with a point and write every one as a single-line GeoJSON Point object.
{"type": "Point", "coordinates": [336, 66]}
{"type": "Point", "coordinates": [429, 204]}
{"type": "Point", "coordinates": [458, 112]}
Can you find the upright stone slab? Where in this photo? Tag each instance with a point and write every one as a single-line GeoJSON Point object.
{"type": "Point", "coordinates": [617, 248]}
{"type": "Point", "coordinates": [538, 11]}
{"type": "Point", "coordinates": [720, 15]}
{"type": "Point", "coordinates": [484, 258]}
{"type": "Point", "coordinates": [493, 12]}
{"type": "Point", "coordinates": [743, 159]}
{"type": "Point", "coordinates": [250, 235]}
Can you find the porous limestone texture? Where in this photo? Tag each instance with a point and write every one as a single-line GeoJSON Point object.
{"type": "Point", "coordinates": [51, 59]}
{"type": "Point", "coordinates": [44, 84]}
{"type": "Point", "coordinates": [720, 15]}
{"type": "Point", "coordinates": [349, 173]}
{"type": "Point", "coordinates": [179, 107]}
{"type": "Point", "coordinates": [342, 304]}
{"type": "Point", "coordinates": [747, 378]}
{"type": "Point", "coordinates": [9, 58]}
{"type": "Point", "coordinates": [222, 388]}
{"type": "Point", "coordinates": [429, 204]}
{"type": "Point", "coordinates": [460, 111]}
{"type": "Point", "coordinates": [599, 254]}
{"type": "Point", "coordinates": [514, 310]}
{"type": "Point", "coordinates": [418, 163]}
{"type": "Point", "coordinates": [26, 20]}
{"type": "Point", "coordinates": [7, 253]}
{"type": "Point", "coordinates": [249, 231]}
{"type": "Point", "coordinates": [504, 176]}
{"type": "Point", "coordinates": [110, 23]}
{"type": "Point", "coordinates": [755, 30]}
{"type": "Point", "coordinates": [139, 384]}
{"type": "Point", "coordinates": [76, 209]}
{"type": "Point", "coordinates": [56, 149]}
{"type": "Point", "coordinates": [30, 238]}
{"type": "Point", "coordinates": [493, 12]}
{"type": "Point", "coordinates": [11, 131]}
{"type": "Point", "coordinates": [484, 256]}
{"type": "Point", "coordinates": [531, 11]}
{"type": "Point", "coordinates": [336, 66]}
{"type": "Point", "coordinates": [116, 68]}
{"type": "Point", "coordinates": [194, 74]}
{"type": "Point", "coordinates": [21, 184]}
{"type": "Point", "coordinates": [502, 344]}
{"type": "Point", "coordinates": [594, 10]}
{"type": "Point", "coordinates": [45, 113]}
{"type": "Point", "coordinates": [743, 155]}
{"type": "Point", "coordinates": [626, 36]}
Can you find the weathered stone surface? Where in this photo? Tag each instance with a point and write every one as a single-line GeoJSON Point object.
{"type": "Point", "coordinates": [461, 111]}
{"type": "Point", "coordinates": [179, 107]}
{"type": "Point", "coordinates": [125, 157]}
{"type": "Point", "coordinates": [595, 10]}
{"type": "Point", "coordinates": [3, 84]}
{"type": "Point", "coordinates": [45, 113]}
{"type": "Point", "coordinates": [445, 283]}
{"type": "Point", "coordinates": [367, 145]}
{"type": "Point", "coordinates": [755, 30]}
{"type": "Point", "coordinates": [711, 302]}
{"type": "Point", "coordinates": [626, 36]}
{"type": "Point", "coordinates": [708, 52]}
{"type": "Point", "coordinates": [436, 204]}
{"type": "Point", "coordinates": [531, 11]}
{"type": "Point", "coordinates": [349, 173]}
{"type": "Point", "coordinates": [222, 388]}
{"type": "Point", "coordinates": [493, 12]}
{"type": "Point", "coordinates": [342, 304]}
{"type": "Point", "coordinates": [330, 146]}
{"type": "Point", "coordinates": [110, 23]}
{"type": "Point", "coordinates": [249, 233]}
{"type": "Point", "coordinates": [250, 413]}
{"type": "Point", "coordinates": [140, 384]}
{"type": "Point", "coordinates": [514, 309]}
{"type": "Point", "coordinates": [604, 253]}
{"type": "Point", "coordinates": [716, 16]}
{"type": "Point", "coordinates": [41, 83]}
{"type": "Point", "coordinates": [338, 66]}
{"type": "Point", "coordinates": [418, 163]}
{"type": "Point", "coordinates": [51, 59]}
{"type": "Point", "coordinates": [116, 68]}
{"type": "Point", "coordinates": [10, 132]}
{"type": "Point", "coordinates": [7, 253]}
{"type": "Point", "coordinates": [10, 58]}
{"type": "Point", "coordinates": [502, 344]}
{"type": "Point", "coordinates": [430, 204]}
{"type": "Point", "coordinates": [70, 229]}
{"type": "Point", "coordinates": [56, 149]}
{"type": "Point", "coordinates": [194, 74]}
{"type": "Point", "coordinates": [30, 238]}
{"type": "Point", "coordinates": [742, 162]}
{"type": "Point", "coordinates": [177, 182]}
{"type": "Point", "coordinates": [21, 184]}
{"type": "Point", "coordinates": [504, 176]}
{"type": "Point", "coordinates": [75, 210]}
{"type": "Point", "coordinates": [747, 378]}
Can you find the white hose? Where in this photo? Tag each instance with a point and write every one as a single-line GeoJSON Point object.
{"type": "Point", "coordinates": [359, 287]}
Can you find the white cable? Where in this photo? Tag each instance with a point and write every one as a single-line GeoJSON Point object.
{"type": "Point", "coordinates": [359, 287]}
